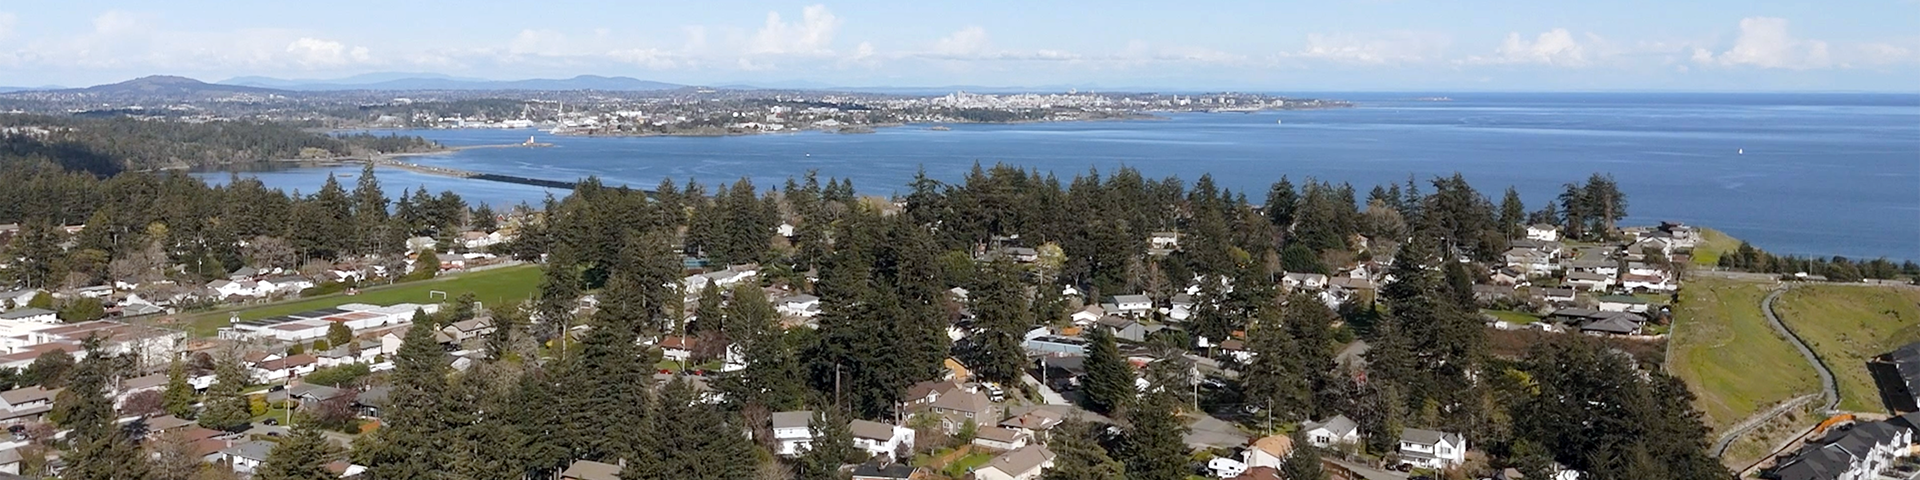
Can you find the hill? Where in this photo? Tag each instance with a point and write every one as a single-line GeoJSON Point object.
{"type": "Point", "coordinates": [171, 86]}
{"type": "Point", "coordinates": [442, 82]}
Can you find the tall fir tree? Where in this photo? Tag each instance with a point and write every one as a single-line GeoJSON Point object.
{"type": "Point", "coordinates": [226, 408]}
{"type": "Point", "coordinates": [1153, 444]}
{"type": "Point", "coordinates": [1002, 317]}
{"type": "Point", "coordinates": [697, 440]}
{"type": "Point", "coordinates": [413, 441]}
{"type": "Point", "coordinates": [1110, 380]}
{"type": "Point", "coordinates": [301, 456]}
{"type": "Point", "coordinates": [99, 448]}
{"type": "Point", "coordinates": [1276, 378]}
{"type": "Point", "coordinates": [1078, 454]}
{"type": "Point", "coordinates": [178, 397]}
{"type": "Point", "coordinates": [772, 377]}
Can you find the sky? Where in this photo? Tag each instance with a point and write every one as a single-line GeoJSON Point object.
{"type": "Point", "coordinates": [1400, 45]}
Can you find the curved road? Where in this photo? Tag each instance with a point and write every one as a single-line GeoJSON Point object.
{"type": "Point", "coordinates": [1829, 389]}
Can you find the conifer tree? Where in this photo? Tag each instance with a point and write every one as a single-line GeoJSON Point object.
{"type": "Point", "coordinates": [412, 443]}
{"type": "Point", "coordinates": [1276, 378]}
{"type": "Point", "coordinates": [1154, 448]}
{"type": "Point", "coordinates": [607, 391]}
{"type": "Point", "coordinates": [226, 407]}
{"type": "Point", "coordinates": [302, 456]}
{"type": "Point", "coordinates": [100, 449]}
{"type": "Point", "coordinates": [1110, 379]}
{"type": "Point", "coordinates": [485, 441]}
{"type": "Point", "coordinates": [1304, 462]}
{"type": "Point", "coordinates": [1078, 454]}
{"type": "Point", "coordinates": [831, 446]}
{"type": "Point", "coordinates": [540, 430]}
{"type": "Point", "coordinates": [696, 440]}
{"type": "Point", "coordinates": [1002, 316]}
{"type": "Point", "coordinates": [178, 398]}
{"type": "Point", "coordinates": [772, 377]}
{"type": "Point", "coordinates": [1513, 215]}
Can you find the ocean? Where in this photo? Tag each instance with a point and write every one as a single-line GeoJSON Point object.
{"type": "Point", "coordinates": [1809, 174]}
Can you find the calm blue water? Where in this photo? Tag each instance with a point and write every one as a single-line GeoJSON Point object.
{"type": "Point", "coordinates": [1822, 174]}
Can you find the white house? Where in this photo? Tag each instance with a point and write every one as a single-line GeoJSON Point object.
{"type": "Point", "coordinates": [1310, 281]}
{"type": "Point", "coordinates": [1269, 451]}
{"type": "Point", "coordinates": [1431, 449]}
{"type": "Point", "coordinates": [286, 284]}
{"type": "Point", "coordinates": [30, 315]}
{"type": "Point", "coordinates": [1622, 303]}
{"type": "Point", "coordinates": [799, 305]}
{"type": "Point", "coordinates": [1088, 315]}
{"type": "Point", "coordinates": [1131, 305]}
{"type": "Point", "coordinates": [1333, 431]}
{"type": "Point", "coordinates": [879, 439]}
{"type": "Point", "coordinates": [1863, 452]}
{"type": "Point", "coordinates": [792, 432]}
{"type": "Point", "coordinates": [1543, 232]}
{"type": "Point", "coordinates": [1651, 283]}
{"type": "Point", "coordinates": [230, 288]}
{"type": "Point", "coordinates": [1588, 281]}
{"type": "Point", "coordinates": [1026, 463]}
{"type": "Point", "coordinates": [244, 457]}
{"type": "Point", "coordinates": [1001, 438]}
{"type": "Point", "coordinates": [1532, 262]}
{"type": "Point", "coordinates": [18, 298]}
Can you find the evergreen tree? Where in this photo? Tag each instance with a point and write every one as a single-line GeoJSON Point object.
{"type": "Point", "coordinates": [226, 408]}
{"type": "Point", "coordinates": [1513, 215]}
{"type": "Point", "coordinates": [49, 370]}
{"type": "Point", "coordinates": [696, 440]}
{"type": "Point", "coordinates": [370, 214]}
{"type": "Point", "coordinates": [1276, 379]}
{"type": "Point", "coordinates": [1311, 324]}
{"type": "Point", "coordinates": [1109, 379]}
{"type": "Point", "coordinates": [606, 390]}
{"type": "Point", "coordinates": [178, 398]}
{"type": "Point", "coordinates": [772, 377]}
{"type": "Point", "coordinates": [1282, 203]}
{"type": "Point", "coordinates": [339, 334]}
{"type": "Point", "coordinates": [1002, 317]}
{"type": "Point", "coordinates": [539, 430]}
{"type": "Point", "coordinates": [1304, 462]}
{"type": "Point", "coordinates": [708, 317]}
{"type": "Point", "coordinates": [485, 439]}
{"type": "Point", "coordinates": [413, 441]}
{"type": "Point", "coordinates": [1153, 445]}
{"type": "Point", "coordinates": [1078, 454]}
{"type": "Point", "coordinates": [302, 456]}
{"type": "Point", "coordinates": [100, 448]}
{"type": "Point", "coordinates": [559, 294]}
{"type": "Point", "coordinates": [832, 445]}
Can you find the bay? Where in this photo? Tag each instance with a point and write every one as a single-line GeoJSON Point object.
{"type": "Point", "coordinates": [1810, 174]}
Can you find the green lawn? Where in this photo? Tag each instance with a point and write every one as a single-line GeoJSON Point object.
{"type": "Point", "coordinates": [1712, 244]}
{"type": "Point", "coordinates": [1513, 317]}
{"type": "Point", "coordinates": [1847, 325]}
{"type": "Point", "coordinates": [1732, 360]}
{"type": "Point", "coordinates": [491, 287]}
{"type": "Point", "coordinates": [961, 466]}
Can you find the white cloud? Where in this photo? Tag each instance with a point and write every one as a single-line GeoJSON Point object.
{"type": "Point", "coordinates": [1554, 47]}
{"type": "Point", "coordinates": [118, 22]}
{"type": "Point", "coordinates": [7, 20]}
{"type": "Point", "coordinates": [1393, 47]}
{"type": "Point", "coordinates": [812, 35]}
{"type": "Point", "coordinates": [1765, 43]}
{"type": "Point", "coordinates": [967, 41]}
{"type": "Point", "coordinates": [313, 52]}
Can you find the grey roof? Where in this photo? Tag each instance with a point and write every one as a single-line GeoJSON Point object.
{"type": "Point", "coordinates": [1116, 322]}
{"type": "Point", "coordinates": [591, 470]}
{"type": "Point", "coordinates": [149, 381]}
{"type": "Point", "coordinates": [799, 298]}
{"type": "Point", "coordinates": [1135, 298]}
{"type": "Point", "coordinates": [998, 434]}
{"type": "Point", "coordinates": [1428, 437]}
{"type": "Point", "coordinates": [373, 397]}
{"type": "Point", "coordinates": [256, 450]}
{"type": "Point", "coordinates": [1627, 299]}
{"type": "Point", "coordinates": [167, 422]}
{"type": "Point", "coordinates": [887, 470]}
{"type": "Point", "coordinates": [871, 430]}
{"type": "Point", "coordinates": [19, 313]}
{"type": "Point", "coordinates": [975, 402]}
{"type": "Point", "coordinates": [27, 394]}
{"type": "Point", "coordinates": [793, 419]}
{"type": "Point", "coordinates": [1572, 276]}
{"type": "Point", "coordinates": [1834, 455]}
{"type": "Point", "coordinates": [1614, 325]}
{"type": "Point", "coordinates": [1022, 460]}
{"type": "Point", "coordinates": [1340, 425]}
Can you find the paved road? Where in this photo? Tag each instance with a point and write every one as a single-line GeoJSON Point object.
{"type": "Point", "coordinates": [1046, 392]}
{"type": "Point", "coordinates": [1828, 388]}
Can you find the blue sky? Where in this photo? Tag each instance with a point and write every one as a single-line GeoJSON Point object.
{"type": "Point", "coordinates": [1718, 45]}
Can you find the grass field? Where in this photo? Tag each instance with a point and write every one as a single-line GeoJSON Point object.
{"type": "Point", "coordinates": [1846, 325]}
{"type": "Point", "coordinates": [1513, 317]}
{"type": "Point", "coordinates": [490, 287]}
{"type": "Point", "coordinates": [1732, 360]}
{"type": "Point", "coordinates": [1712, 244]}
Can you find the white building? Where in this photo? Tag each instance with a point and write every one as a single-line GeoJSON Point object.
{"type": "Point", "coordinates": [30, 315]}
{"type": "Point", "coordinates": [1027, 463]}
{"type": "Point", "coordinates": [1310, 281]}
{"type": "Point", "coordinates": [1130, 305]}
{"type": "Point", "coordinates": [1269, 451]}
{"type": "Point", "coordinates": [1431, 449]}
{"type": "Point", "coordinates": [879, 439]}
{"type": "Point", "coordinates": [792, 432]}
{"type": "Point", "coordinates": [1333, 431]}
{"type": "Point", "coordinates": [1543, 232]}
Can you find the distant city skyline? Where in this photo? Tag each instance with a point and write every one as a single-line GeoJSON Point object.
{"type": "Point", "coordinates": [1718, 45]}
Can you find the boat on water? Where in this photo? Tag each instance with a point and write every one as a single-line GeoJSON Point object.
{"type": "Point", "coordinates": [939, 128]}
{"type": "Point", "coordinates": [1278, 122]}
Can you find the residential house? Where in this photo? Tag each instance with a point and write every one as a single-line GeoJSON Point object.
{"type": "Point", "coordinates": [1860, 453]}
{"type": "Point", "coordinates": [417, 244]}
{"type": "Point", "coordinates": [720, 278]}
{"type": "Point", "coordinates": [792, 432]}
{"type": "Point", "coordinates": [241, 288]}
{"type": "Point", "coordinates": [271, 371]}
{"type": "Point", "coordinates": [676, 348]}
{"type": "Point", "coordinates": [590, 470]}
{"type": "Point", "coordinates": [1056, 345]}
{"type": "Point", "coordinates": [473, 240]}
{"type": "Point", "coordinates": [26, 403]}
{"type": "Point", "coordinates": [369, 402]}
{"type": "Point", "coordinates": [923, 394]}
{"type": "Point", "coordinates": [1556, 294]}
{"type": "Point", "coordinates": [1649, 283]}
{"type": "Point", "coordinates": [1600, 322]}
{"type": "Point", "coordinates": [1124, 329]}
{"type": "Point", "coordinates": [886, 470]}
{"type": "Point", "coordinates": [245, 457]}
{"type": "Point", "coordinates": [1262, 473]}
{"type": "Point", "coordinates": [30, 315]}
{"type": "Point", "coordinates": [955, 408]}
{"type": "Point", "coordinates": [1237, 350]}
{"type": "Point", "coordinates": [1027, 463]}
{"type": "Point", "coordinates": [1163, 241]}
{"type": "Point", "coordinates": [1543, 232]}
{"type": "Point", "coordinates": [1622, 303]}
{"type": "Point", "coordinates": [1136, 305]}
{"type": "Point", "coordinates": [1551, 248]}
{"type": "Point", "coordinates": [18, 298]}
{"type": "Point", "coordinates": [1588, 281]}
{"type": "Point", "coordinates": [1036, 422]}
{"type": "Point", "coordinates": [1180, 307]}
{"type": "Point", "coordinates": [1269, 451]}
{"type": "Point", "coordinates": [1431, 449]}
{"type": "Point", "coordinates": [1529, 261]}
{"type": "Point", "coordinates": [285, 285]}
{"type": "Point", "coordinates": [468, 329]}
{"type": "Point", "coordinates": [1309, 281]}
{"type": "Point", "coordinates": [1000, 438]}
{"type": "Point", "coordinates": [1508, 276]}
{"type": "Point", "coordinates": [1333, 431]}
{"type": "Point", "coordinates": [131, 386]}
{"type": "Point", "coordinates": [1491, 293]}
{"type": "Point", "coordinates": [10, 464]}
{"type": "Point", "coordinates": [798, 305]}
{"type": "Point", "coordinates": [879, 439]}
{"type": "Point", "coordinates": [1088, 315]}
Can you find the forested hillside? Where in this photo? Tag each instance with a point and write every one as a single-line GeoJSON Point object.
{"type": "Point", "coordinates": [104, 146]}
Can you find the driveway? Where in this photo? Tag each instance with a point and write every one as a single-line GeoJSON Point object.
{"type": "Point", "coordinates": [1046, 393]}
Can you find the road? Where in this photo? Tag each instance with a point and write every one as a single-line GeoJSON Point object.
{"type": "Point", "coordinates": [1829, 389]}
{"type": "Point", "coordinates": [1046, 393]}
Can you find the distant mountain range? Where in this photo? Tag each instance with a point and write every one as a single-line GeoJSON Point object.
{"type": "Point", "coordinates": [428, 81]}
